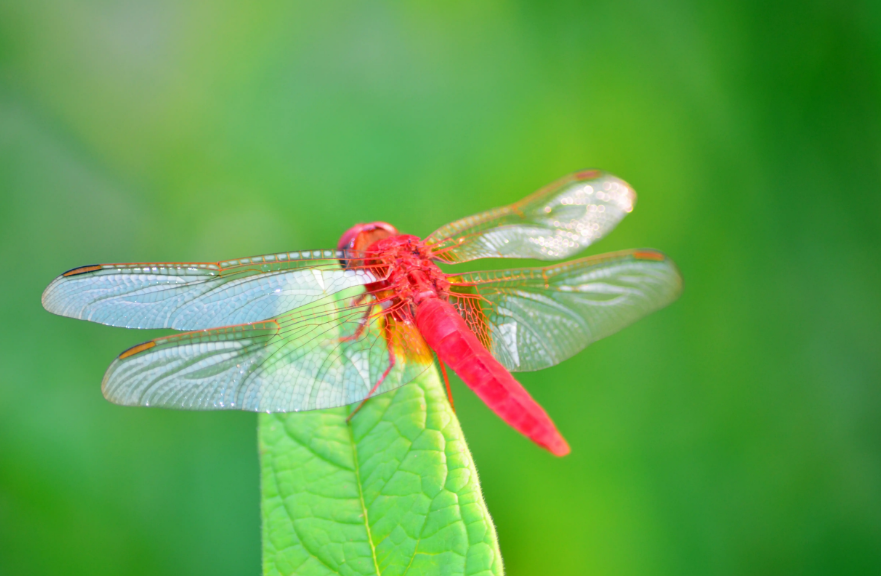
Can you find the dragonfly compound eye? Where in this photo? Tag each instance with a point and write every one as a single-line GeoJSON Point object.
{"type": "Point", "coordinates": [361, 236]}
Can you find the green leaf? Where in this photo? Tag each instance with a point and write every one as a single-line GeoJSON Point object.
{"type": "Point", "coordinates": [394, 492]}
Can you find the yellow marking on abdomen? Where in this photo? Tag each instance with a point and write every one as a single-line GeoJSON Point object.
{"type": "Point", "coordinates": [136, 349]}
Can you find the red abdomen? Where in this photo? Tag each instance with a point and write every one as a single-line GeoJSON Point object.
{"type": "Point", "coordinates": [454, 343]}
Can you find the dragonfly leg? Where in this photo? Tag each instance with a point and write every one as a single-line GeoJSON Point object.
{"type": "Point", "coordinates": [391, 364]}
{"type": "Point", "coordinates": [362, 323]}
{"type": "Point", "coordinates": [447, 382]}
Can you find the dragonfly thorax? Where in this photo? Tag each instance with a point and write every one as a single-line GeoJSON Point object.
{"type": "Point", "coordinates": [408, 268]}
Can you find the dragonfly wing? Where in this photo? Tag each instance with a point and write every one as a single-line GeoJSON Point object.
{"type": "Point", "coordinates": [191, 296]}
{"type": "Point", "coordinates": [554, 223]}
{"type": "Point", "coordinates": [533, 318]}
{"type": "Point", "coordinates": [301, 360]}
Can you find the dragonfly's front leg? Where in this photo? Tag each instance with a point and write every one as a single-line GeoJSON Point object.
{"type": "Point", "coordinates": [362, 323]}
{"type": "Point", "coordinates": [387, 333]}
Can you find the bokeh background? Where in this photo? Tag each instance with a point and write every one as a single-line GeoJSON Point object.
{"type": "Point", "coordinates": [736, 432]}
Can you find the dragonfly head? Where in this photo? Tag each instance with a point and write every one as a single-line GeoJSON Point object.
{"type": "Point", "coordinates": [361, 236]}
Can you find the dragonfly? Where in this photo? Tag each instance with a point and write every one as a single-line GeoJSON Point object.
{"type": "Point", "coordinates": [319, 329]}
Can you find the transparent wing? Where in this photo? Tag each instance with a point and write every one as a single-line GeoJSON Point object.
{"type": "Point", "coordinates": [307, 359]}
{"type": "Point", "coordinates": [533, 318]}
{"type": "Point", "coordinates": [556, 222]}
{"type": "Point", "coordinates": [191, 296]}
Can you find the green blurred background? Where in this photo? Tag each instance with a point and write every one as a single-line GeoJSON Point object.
{"type": "Point", "coordinates": [736, 432]}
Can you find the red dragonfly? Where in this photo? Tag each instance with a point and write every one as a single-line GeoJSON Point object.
{"type": "Point", "coordinates": [323, 328]}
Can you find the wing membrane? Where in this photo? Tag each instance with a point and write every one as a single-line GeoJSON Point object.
{"type": "Point", "coordinates": [301, 360]}
{"type": "Point", "coordinates": [533, 318]}
{"type": "Point", "coordinates": [554, 223]}
{"type": "Point", "coordinates": [192, 296]}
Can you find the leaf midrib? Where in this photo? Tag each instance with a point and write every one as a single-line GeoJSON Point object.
{"type": "Point", "coordinates": [361, 497]}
